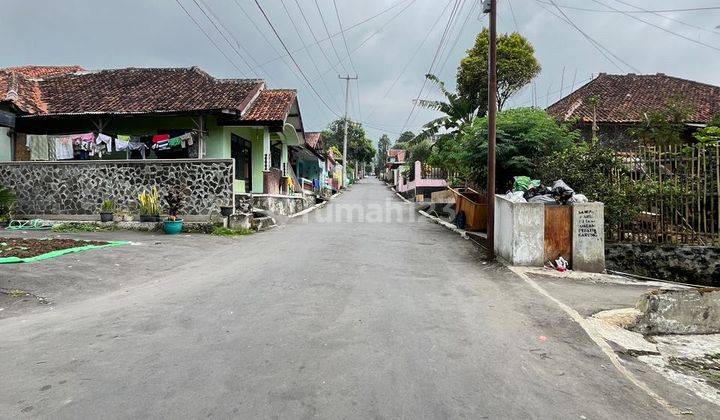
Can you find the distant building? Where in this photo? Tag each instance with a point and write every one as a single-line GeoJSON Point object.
{"type": "Point", "coordinates": [625, 100]}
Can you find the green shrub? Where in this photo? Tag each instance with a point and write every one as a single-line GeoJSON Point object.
{"type": "Point", "coordinates": [223, 231]}
{"type": "Point", "coordinates": [108, 206]}
{"type": "Point", "coordinates": [7, 200]}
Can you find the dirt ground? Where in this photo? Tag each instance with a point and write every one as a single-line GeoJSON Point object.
{"type": "Point", "coordinates": [31, 247]}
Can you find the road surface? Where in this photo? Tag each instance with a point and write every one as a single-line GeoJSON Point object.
{"type": "Point", "coordinates": [359, 311]}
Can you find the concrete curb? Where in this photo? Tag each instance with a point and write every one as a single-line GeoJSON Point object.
{"type": "Point", "coordinates": [400, 196]}
{"type": "Point", "coordinates": [309, 209]}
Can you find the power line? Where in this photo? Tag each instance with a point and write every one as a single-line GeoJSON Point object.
{"type": "Point", "coordinates": [302, 40]}
{"type": "Point", "coordinates": [353, 26]}
{"type": "Point", "coordinates": [327, 32]}
{"type": "Point", "coordinates": [317, 42]}
{"type": "Point", "coordinates": [337, 13]}
{"type": "Point", "coordinates": [412, 57]}
{"type": "Point", "coordinates": [670, 18]}
{"type": "Point", "coordinates": [380, 29]}
{"type": "Point", "coordinates": [687, 9]}
{"type": "Point", "coordinates": [512, 12]}
{"type": "Point", "coordinates": [604, 51]}
{"type": "Point", "coordinates": [212, 41]}
{"type": "Point", "coordinates": [435, 56]}
{"type": "Point", "coordinates": [222, 34]}
{"type": "Point", "coordinates": [660, 27]}
{"type": "Point", "coordinates": [457, 37]}
{"type": "Point", "coordinates": [293, 59]}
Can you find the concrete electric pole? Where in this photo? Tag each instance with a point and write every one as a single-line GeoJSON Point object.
{"type": "Point", "coordinates": [347, 96]}
{"type": "Point", "coordinates": [490, 7]}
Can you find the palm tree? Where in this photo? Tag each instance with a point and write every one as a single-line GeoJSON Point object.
{"type": "Point", "coordinates": [457, 111]}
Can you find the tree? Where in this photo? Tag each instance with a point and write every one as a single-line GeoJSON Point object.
{"type": "Point", "coordinates": [516, 67]}
{"type": "Point", "coordinates": [403, 140]}
{"type": "Point", "coordinates": [383, 147]}
{"type": "Point", "coordinates": [457, 112]}
{"type": "Point", "coordinates": [664, 126]}
{"type": "Point", "coordinates": [525, 137]}
{"type": "Point", "coordinates": [360, 147]}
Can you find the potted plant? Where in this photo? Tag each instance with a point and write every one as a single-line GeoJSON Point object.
{"type": "Point", "coordinates": [174, 199]}
{"type": "Point", "coordinates": [149, 206]}
{"type": "Point", "coordinates": [107, 210]}
{"type": "Point", "coordinates": [7, 200]}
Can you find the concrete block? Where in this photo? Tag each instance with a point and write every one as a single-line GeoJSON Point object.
{"type": "Point", "coordinates": [588, 237]}
{"type": "Point", "coordinates": [687, 311]}
{"type": "Point", "coordinates": [519, 232]}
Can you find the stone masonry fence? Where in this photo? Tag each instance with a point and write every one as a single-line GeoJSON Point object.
{"type": "Point", "coordinates": [78, 188]}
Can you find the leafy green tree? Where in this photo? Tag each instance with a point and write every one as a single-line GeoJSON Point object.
{"type": "Point", "coordinates": [664, 126]}
{"type": "Point", "coordinates": [419, 151]}
{"type": "Point", "coordinates": [403, 140]}
{"type": "Point", "coordinates": [383, 147]}
{"type": "Point", "coordinates": [360, 147]}
{"type": "Point", "coordinates": [595, 170]}
{"type": "Point", "coordinates": [516, 67]}
{"type": "Point", "coordinates": [525, 137]}
{"type": "Point", "coordinates": [457, 112]}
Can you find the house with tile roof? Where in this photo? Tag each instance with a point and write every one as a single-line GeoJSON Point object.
{"type": "Point", "coordinates": [309, 162]}
{"type": "Point", "coordinates": [231, 118]}
{"type": "Point", "coordinates": [625, 100]}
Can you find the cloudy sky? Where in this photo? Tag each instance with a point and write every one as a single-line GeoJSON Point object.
{"type": "Point", "coordinates": [391, 42]}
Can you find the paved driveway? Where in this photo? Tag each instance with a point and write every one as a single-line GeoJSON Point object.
{"type": "Point", "coordinates": [358, 311]}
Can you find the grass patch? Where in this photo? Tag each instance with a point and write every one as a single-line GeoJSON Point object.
{"type": "Point", "coordinates": [223, 231]}
{"type": "Point", "coordinates": [79, 228]}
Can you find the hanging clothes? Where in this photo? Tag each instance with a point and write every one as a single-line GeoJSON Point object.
{"type": "Point", "coordinates": [137, 146]}
{"type": "Point", "coordinates": [175, 142]}
{"type": "Point", "coordinates": [104, 141]}
{"type": "Point", "coordinates": [161, 141]}
{"type": "Point", "coordinates": [38, 145]}
{"type": "Point", "coordinates": [63, 148]}
{"type": "Point", "coordinates": [121, 143]}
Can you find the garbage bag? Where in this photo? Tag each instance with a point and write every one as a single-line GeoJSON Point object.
{"type": "Point", "coordinates": [545, 199]}
{"type": "Point", "coordinates": [561, 192]}
{"type": "Point", "coordinates": [537, 190]}
{"type": "Point", "coordinates": [579, 198]}
{"type": "Point", "coordinates": [523, 183]}
{"type": "Point", "coordinates": [516, 197]}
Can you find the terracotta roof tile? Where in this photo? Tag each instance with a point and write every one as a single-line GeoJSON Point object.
{"type": "Point", "coordinates": [271, 105]}
{"type": "Point", "coordinates": [314, 139]}
{"type": "Point", "coordinates": [144, 90]}
{"type": "Point", "coordinates": [625, 98]}
{"type": "Point", "coordinates": [21, 91]}
{"type": "Point", "coordinates": [44, 71]}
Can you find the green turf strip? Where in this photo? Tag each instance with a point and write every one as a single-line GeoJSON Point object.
{"type": "Point", "coordinates": [59, 252]}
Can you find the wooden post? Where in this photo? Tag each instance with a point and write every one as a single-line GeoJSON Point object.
{"type": "Point", "coordinates": [492, 114]}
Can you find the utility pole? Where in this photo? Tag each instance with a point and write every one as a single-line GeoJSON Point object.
{"type": "Point", "coordinates": [490, 7]}
{"type": "Point", "coordinates": [347, 96]}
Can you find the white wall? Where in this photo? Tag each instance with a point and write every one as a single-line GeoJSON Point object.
{"type": "Point", "coordinates": [6, 145]}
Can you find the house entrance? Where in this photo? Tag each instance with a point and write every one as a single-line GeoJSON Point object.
{"type": "Point", "coordinates": [241, 151]}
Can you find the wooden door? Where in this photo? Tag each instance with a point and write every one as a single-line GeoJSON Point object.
{"type": "Point", "coordinates": [558, 232]}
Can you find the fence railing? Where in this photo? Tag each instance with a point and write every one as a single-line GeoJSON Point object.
{"type": "Point", "coordinates": [689, 211]}
{"type": "Point", "coordinates": [429, 172]}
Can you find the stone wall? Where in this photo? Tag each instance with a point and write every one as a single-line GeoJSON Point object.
{"type": "Point", "coordinates": [284, 205]}
{"type": "Point", "coordinates": [687, 264]}
{"type": "Point", "coordinates": [77, 188]}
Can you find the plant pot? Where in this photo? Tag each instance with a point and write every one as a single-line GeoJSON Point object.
{"type": "Point", "coordinates": [173, 227]}
{"type": "Point", "coordinates": [226, 211]}
{"type": "Point", "coordinates": [149, 218]}
{"type": "Point", "coordinates": [106, 217]}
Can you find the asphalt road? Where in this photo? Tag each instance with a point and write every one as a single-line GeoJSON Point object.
{"type": "Point", "coordinates": [359, 311]}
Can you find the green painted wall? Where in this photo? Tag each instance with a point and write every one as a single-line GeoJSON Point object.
{"type": "Point", "coordinates": [254, 135]}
